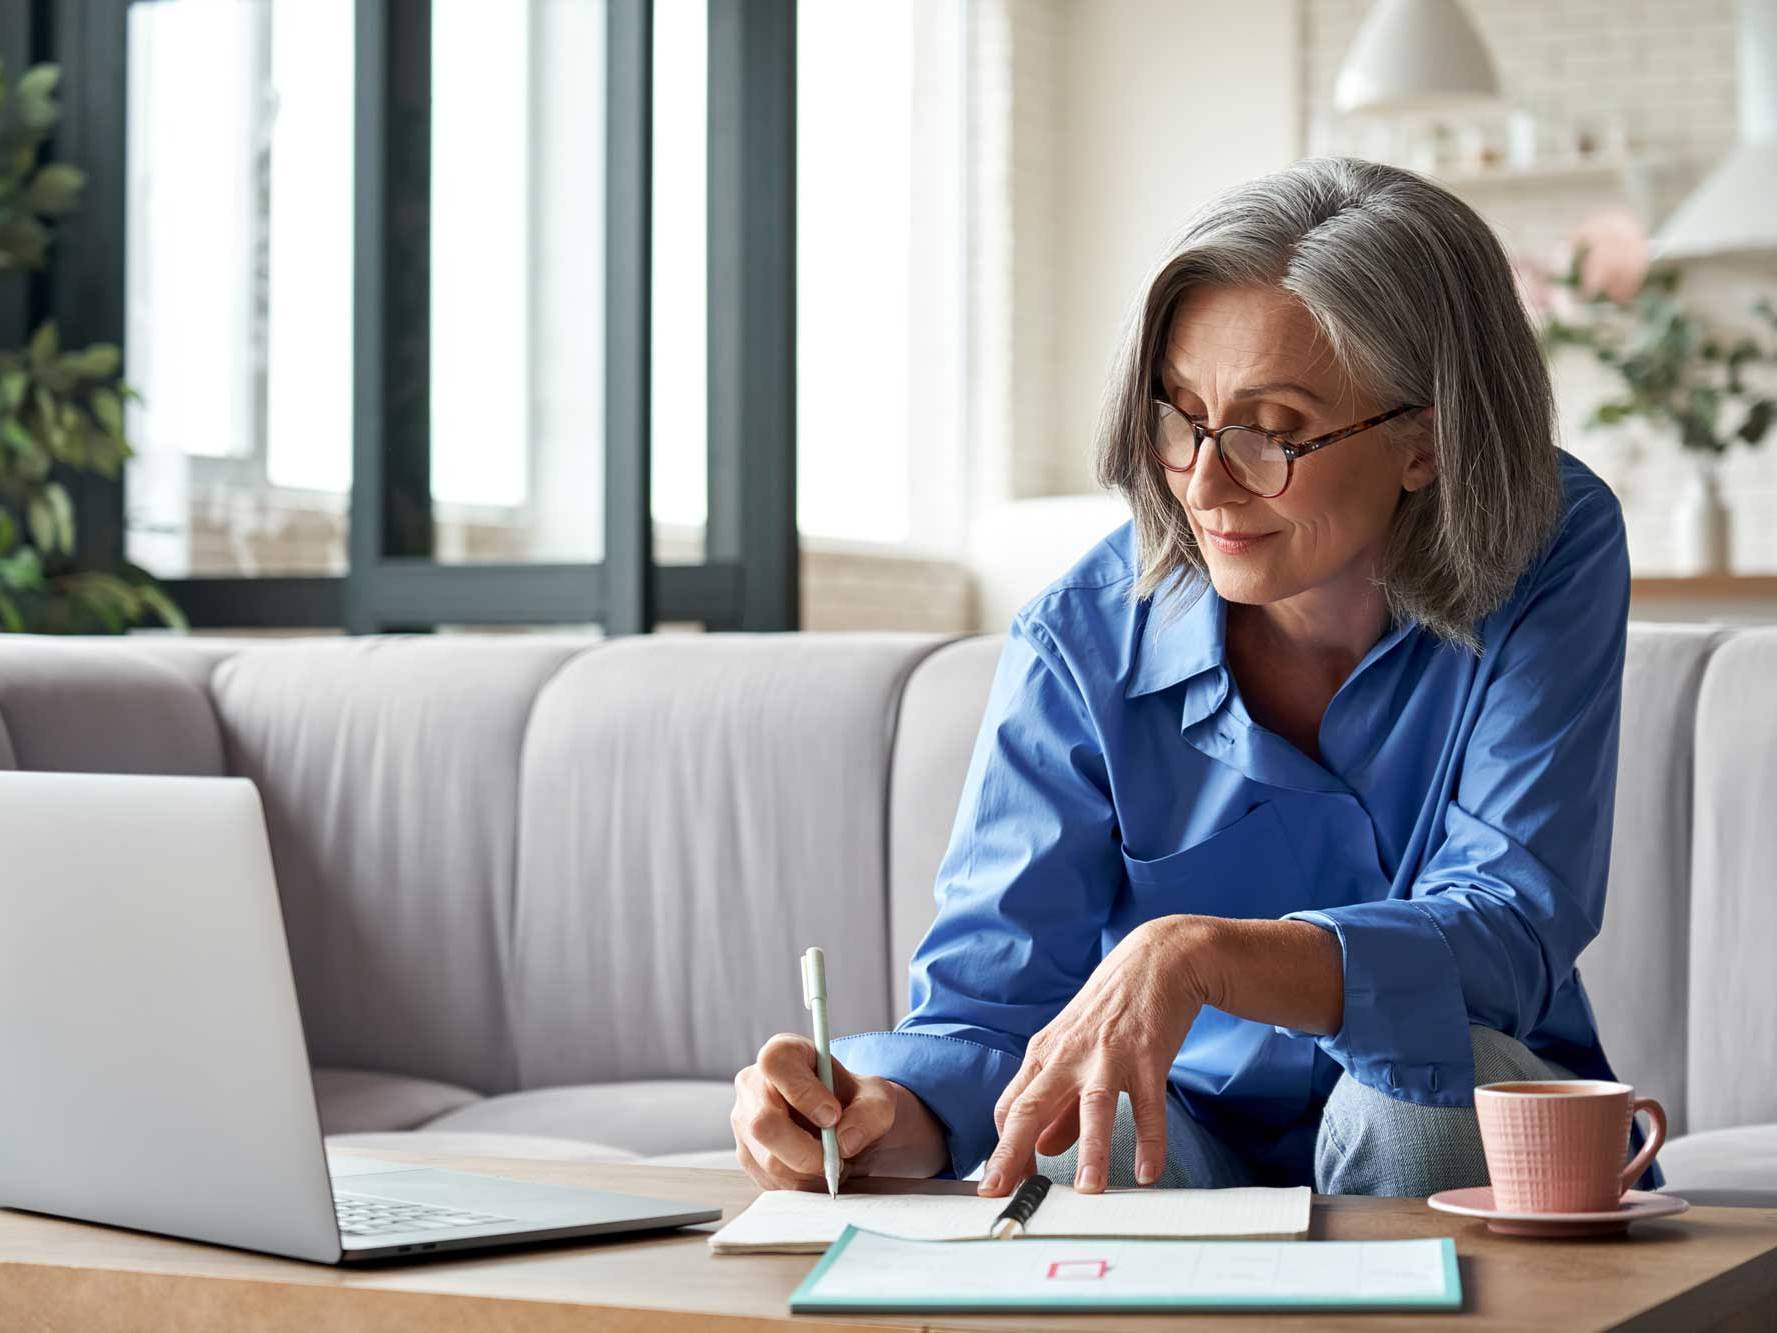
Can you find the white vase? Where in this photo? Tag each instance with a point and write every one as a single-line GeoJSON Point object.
{"type": "Point", "coordinates": [1700, 533]}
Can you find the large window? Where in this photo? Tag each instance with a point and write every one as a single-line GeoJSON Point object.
{"type": "Point", "coordinates": [880, 254]}
{"type": "Point", "coordinates": [881, 249]}
{"type": "Point", "coordinates": [406, 358]}
{"type": "Point", "coordinates": [238, 305]}
{"type": "Point", "coordinates": [239, 232]}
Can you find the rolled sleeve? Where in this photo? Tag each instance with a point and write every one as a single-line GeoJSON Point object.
{"type": "Point", "coordinates": [949, 1074]}
{"type": "Point", "coordinates": [1404, 1005]}
{"type": "Point", "coordinates": [1512, 893]}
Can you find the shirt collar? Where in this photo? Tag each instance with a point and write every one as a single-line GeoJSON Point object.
{"type": "Point", "coordinates": [1185, 635]}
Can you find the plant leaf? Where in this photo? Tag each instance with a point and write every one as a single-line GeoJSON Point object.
{"type": "Point", "coordinates": [55, 190]}
{"type": "Point", "coordinates": [156, 599]}
{"type": "Point", "coordinates": [14, 434]}
{"type": "Point", "coordinates": [45, 344]}
{"type": "Point", "coordinates": [9, 532]}
{"type": "Point", "coordinates": [101, 361]}
{"type": "Point", "coordinates": [39, 80]}
{"type": "Point", "coordinates": [62, 510]}
{"type": "Point", "coordinates": [115, 601]}
{"type": "Point", "coordinates": [10, 619]}
{"type": "Point", "coordinates": [13, 384]}
{"type": "Point", "coordinates": [22, 569]}
{"type": "Point", "coordinates": [41, 520]}
{"type": "Point", "coordinates": [37, 110]}
{"type": "Point", "coordinates": [23, 241]}
{"type": "Point", "coordinates": [108, 411]}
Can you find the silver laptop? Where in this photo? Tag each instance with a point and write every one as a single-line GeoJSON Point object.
{"type": "Point", "coordinates": [152, 1056]}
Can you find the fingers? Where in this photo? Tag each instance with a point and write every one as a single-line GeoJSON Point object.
{"type": "Point", "coordinates": [1063, 1131]}
{"type": "Point", "coordinates": [761, 1123]}
{"type": "Point", "coordinates": [771, 1174]}
{"type": "Point", "coordinates": [1148, 1101]}
{"type": "Point", "coordinates": [788, 1063]}
{"type": "Point", "coordinates": [1027, 1071]}
{"type": "Point", "coordinates": [1022, 1121]}
{"type": "Point", "coordinates": [1098, 1113]}
{"type": "Point", "coordinates": [869, 1113]}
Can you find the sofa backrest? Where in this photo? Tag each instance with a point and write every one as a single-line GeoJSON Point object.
{"type": "Point", "coordinates": [696, 811]}
{"type": "Point", "coordinates": [389, 771]}
{"type": "Point", "coordinates": [1640, 960]}
{"type": "Point", "coordinates": [940, 716]}
{"type": "Point", "coordinates": [1732, 1039]}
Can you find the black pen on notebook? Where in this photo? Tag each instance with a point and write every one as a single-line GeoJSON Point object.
{"type": "Point", "coordinates": [1024, 1201]}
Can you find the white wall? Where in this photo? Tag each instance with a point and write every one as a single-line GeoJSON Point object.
{"type": "Point", "coordinates": [1160, 104]}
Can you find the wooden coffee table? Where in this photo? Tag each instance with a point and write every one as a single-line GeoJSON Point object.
{"type": "Point", "coordinates": [1711, 1268]}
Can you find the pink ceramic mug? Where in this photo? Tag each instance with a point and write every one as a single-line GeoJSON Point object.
{"type": "Point", "coordinates": [1558, 1147]}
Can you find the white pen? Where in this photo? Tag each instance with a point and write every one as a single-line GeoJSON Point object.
{"type": "Point", "coordinates": [814, 996]}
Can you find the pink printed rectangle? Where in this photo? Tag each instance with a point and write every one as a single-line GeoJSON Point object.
{"type": "Point", "coordinates": [1074, 1270]}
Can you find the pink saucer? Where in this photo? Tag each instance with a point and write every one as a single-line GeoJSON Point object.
{"type": "Point", "coordinates": [1637, 1206]}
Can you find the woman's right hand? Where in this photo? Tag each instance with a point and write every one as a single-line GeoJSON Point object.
{"type": "Point", "coordinates": [781, 1106]}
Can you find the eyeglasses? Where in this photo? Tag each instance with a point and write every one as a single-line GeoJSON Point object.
{"type": "Point", "coordinates": [1258, 460]}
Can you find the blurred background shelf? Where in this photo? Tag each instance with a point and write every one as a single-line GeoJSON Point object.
{"type": "Point", "coordinates": [1726, 598]}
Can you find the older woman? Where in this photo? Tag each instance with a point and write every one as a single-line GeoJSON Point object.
{"type": "Point", "coordinates": [1291, 809]}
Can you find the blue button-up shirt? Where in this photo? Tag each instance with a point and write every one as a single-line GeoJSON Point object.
{"type": "Point", "coordinates": [1454, 836]}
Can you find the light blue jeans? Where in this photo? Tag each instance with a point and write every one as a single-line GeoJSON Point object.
{"type": "Point", "coordinates": [1369, 1143]}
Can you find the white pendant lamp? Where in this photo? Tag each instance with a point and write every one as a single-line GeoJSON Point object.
{"type": "Point", "coordinates": [1415, 55]}
{"type": "Point", "coordinates": [1734, 211]}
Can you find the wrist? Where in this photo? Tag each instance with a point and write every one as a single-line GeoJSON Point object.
{"type": "Point", "coordinates": [1196, 956]}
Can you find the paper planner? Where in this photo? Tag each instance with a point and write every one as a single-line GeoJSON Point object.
{"type": "Point", "coordinates": [803, 1222]}
{"type": "Point", "coordinates": [868, 1273]}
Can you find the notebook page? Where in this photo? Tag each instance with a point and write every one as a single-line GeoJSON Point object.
{"type": "Point", "coordinates": [1173, 1213]}
{"type": "Point", "coordinates": [803, 1221]}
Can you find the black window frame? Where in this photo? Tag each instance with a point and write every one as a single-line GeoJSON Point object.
{"type": "Point", "coordinates": [749, 579]}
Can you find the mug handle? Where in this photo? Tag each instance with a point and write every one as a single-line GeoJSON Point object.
{"type": "Point", "coordinates": [1656, 1140]}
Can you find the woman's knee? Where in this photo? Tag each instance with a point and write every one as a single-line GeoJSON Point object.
{"type": "Point", "coordinates": [1371, 1143]}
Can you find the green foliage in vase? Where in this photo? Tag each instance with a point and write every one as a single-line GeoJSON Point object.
{"type": "Point", "coordinates": [61, 410]}
{"type": "Point", "coordinates": [1676, 371]}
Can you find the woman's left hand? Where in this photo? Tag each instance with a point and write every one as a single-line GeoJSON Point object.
{"type": "Point", "coordinates": [1120, 1033]}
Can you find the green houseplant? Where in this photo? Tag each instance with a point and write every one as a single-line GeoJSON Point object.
{"type": "Point", "coordinates": [1674, 373]}
{"type": "Point", "coordinates": [61, 410]}
{"type": "Point", "coordinates": [1675, 370]}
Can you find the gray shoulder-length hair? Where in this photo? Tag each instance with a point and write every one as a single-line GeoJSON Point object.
{"type": "Point", "coordinates": [1416, 299]}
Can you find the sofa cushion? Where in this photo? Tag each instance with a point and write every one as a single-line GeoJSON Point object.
{"type": "Point", "coordinates": [1740, 1159]}
{"type": "Point", "coordinates": [647, 1118]}
{"type": "Point", "coordinates": [103, 706]}
{"type": "Point", "coordinates": [1732, 1064]}
{"type": "Point", "coordinates": [463, 1144]}
{"type": "Point", "coordinates": [696, 811]}
{"type": "Point", "coordinates": [353, 1101]}
{"type": "Point", "coordinates": [940, 717]}
{"type": "Point", "coordinates": [389, 772]}
{"type": "Point", "coordinates": [1636, 971]}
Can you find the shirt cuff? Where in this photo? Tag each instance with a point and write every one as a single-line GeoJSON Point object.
{"type": "Point", "coordinates": [1406, 1026]}
{"type": "Point", "coordinates": [958, 1080]}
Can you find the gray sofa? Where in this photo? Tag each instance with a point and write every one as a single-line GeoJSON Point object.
{"type": "Point", "coordinates": [545, 895]}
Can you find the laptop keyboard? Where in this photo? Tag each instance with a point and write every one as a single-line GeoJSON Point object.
{"type": "Point", "coordinates": [366, 1215]}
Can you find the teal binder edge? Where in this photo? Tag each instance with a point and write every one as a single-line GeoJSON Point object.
{"type": "Point", "coordinates": [806, 1300]}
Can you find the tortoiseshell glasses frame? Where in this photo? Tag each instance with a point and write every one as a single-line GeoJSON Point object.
{"type": "Point", "coordinates": [1251, 460]}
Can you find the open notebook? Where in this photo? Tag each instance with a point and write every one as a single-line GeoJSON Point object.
{"type": "Point", "coordinates": [799, 1221]}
